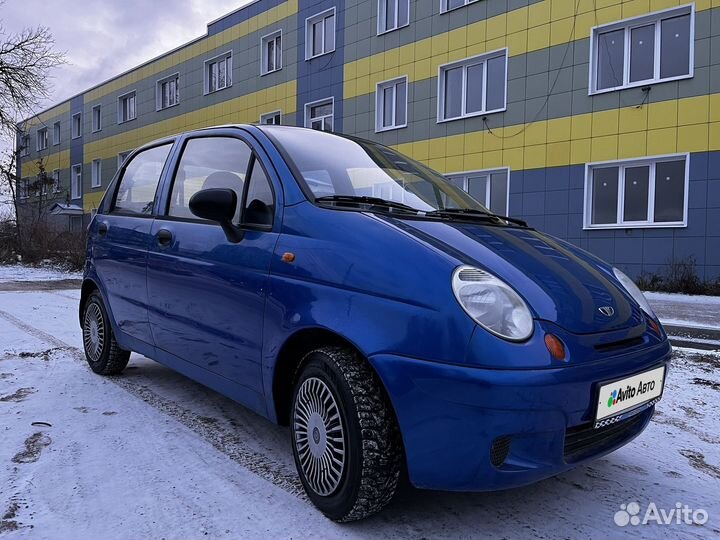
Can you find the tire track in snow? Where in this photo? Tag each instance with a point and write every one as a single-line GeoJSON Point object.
{"type": "Point", "coordinates": [222, 439]}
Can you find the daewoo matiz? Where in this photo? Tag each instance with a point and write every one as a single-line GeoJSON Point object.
{"type": "Point", "coordinates": [392, 321]}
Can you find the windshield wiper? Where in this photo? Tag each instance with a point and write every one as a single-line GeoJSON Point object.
{"type": "Point", "coordinates": [474, 213]}
{"type": "Point", "coordinates": [364, 199]}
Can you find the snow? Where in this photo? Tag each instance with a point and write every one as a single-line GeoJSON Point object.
{"type": "Point", "coordinates": [19, 272]}
{"type": "Point", "coordinates": [151, 454]}
{"type": "Point", "coordinates": [683, 298]}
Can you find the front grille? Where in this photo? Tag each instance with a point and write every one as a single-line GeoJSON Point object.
{"type": "Point", "coordinates": [622, 344]}
{"type": "Point", "coordinates": [584, 440]}
{"type": "Point", "coordinates": [499, 450]}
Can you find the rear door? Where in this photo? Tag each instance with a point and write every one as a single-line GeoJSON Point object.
{"type": "Point", "coordinates": [122, 235]}
{"type": "Point", "coordinates": [207, 294]}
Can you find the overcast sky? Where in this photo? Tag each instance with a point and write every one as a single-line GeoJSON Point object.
{"type": "Point", "coordinates": [103, 38]}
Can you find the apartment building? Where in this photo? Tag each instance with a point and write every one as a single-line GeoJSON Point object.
{"type": "Point", "coordinates": [597, 121]}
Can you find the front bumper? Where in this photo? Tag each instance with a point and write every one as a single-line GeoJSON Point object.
{"type": "Point", "coordinates": [451, 415]}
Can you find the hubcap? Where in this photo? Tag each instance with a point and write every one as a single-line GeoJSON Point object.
{"type": "Point", "coordinates": [93, 332]}
{"type": "Point", "coordinates": [319, 436]}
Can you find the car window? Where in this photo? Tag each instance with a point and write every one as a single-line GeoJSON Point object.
{"type": "Point", "coordinates": [259, 204]}
{"type": "Point", "coordinates": [209, 162]}
{"type": "Point", "coordinates": [136, 192]}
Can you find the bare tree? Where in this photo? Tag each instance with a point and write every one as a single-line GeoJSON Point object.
{"type": "Point", "coordinates": [26, 58]}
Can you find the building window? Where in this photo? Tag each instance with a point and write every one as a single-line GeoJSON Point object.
{"type": "Point", "coordinates": [490, 188]}
{"type": "Point", "coordinates": [392, 14]}
{"type": "Point", "coordinates": [24, 188]}
{"type": "Point", "coordinates": [167, 92]}
{"type": "Point", "coordinates": [126, 107]}
{"type": "Point", "coordinates": [43, 183]}
{"type": "Point", "coordinates": [42, 139]}
{"type": "Point", "coordinates": [319, 114]}
{"type": "Point", "coordinates": [448, 5]}
{"type": "Point", "coordinates": [56, 133]}
{"type": "Point", "coordinates": [96, 178]}
{"type": "Point", "coordinates": [473, 86]}
{"type": "Point", "coordinates": [391, 104]}
{"type": "Point", "coordinates": [76, 182]}
{"type": "Point", "coordinates": [637, 193]}
{"type": "Point", "coordinates": [271, 53]}
{"type": "Point", "coordinates": [25, 146]}
{"type": "Point", "coordinates": [122, 156]}
{"type": "Point", "coordinates": [56, 180]}
{"type": "Point", "coordinates": [272, 118]}
{"type": "Point", "coordinates": [320, 34]}
{"type": "Point", "coordinates": [643, 50]}
{"type": "Point", "coordinates": [96, 118]}
{"type": "Point", "coordinates": [76, 125]}
{"type": "Point", "coordinates": [218, 73]}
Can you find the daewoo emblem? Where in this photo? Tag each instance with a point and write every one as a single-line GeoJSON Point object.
{"type": "Point", "coordinates": [608, 311]}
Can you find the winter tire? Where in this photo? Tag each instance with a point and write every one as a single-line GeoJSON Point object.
{"type": "Point", "coordinates": [101, 350]}
{"type": "Point", "coordinates": [345, 438]}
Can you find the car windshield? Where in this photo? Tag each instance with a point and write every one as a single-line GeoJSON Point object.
{"type": "Point", "coordinates": [340, 166]}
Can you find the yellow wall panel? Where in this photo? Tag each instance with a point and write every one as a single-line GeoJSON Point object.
{"type": "Point", "coordinates": [604, 148]}
{"type": "Point", "coordinates": [632, 144]}
{"type": "Point", "coordinates": [695, 110]}
{"type": "Point", "coordinates": [662, 141]}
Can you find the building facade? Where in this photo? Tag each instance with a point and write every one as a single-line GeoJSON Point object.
{"type": "Point", "coordinates": [597, 121]}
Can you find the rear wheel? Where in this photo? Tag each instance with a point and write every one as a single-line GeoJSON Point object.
{"type": "Point", "coordinates": [102, 352]}
{"type": "Point", "coordinates": [345, 439]}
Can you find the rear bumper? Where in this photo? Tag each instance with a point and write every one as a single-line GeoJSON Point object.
{"type": "Point", "coordinates": [450, 416]}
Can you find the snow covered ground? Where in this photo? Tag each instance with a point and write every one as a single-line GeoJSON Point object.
{"type": "Point", "coordinates": [151, 454]}
{"type": "Point", "coordinates": [19, 272]}
{"type": "Point", "coordinates": [693, 311]}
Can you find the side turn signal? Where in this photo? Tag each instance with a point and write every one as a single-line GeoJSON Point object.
{"type": "Point", "coordinates": [555, 346]}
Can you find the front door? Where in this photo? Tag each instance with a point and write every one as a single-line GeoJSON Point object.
{"type": "Point", "coordinates": [122, 235]}
{"type": "Point", "coordinates": [207, 294]}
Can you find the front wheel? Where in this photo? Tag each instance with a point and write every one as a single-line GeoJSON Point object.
{"type": "Point", "coordinates": [102, 352]}
{"type": "Point", "coordinates": [345, 438]}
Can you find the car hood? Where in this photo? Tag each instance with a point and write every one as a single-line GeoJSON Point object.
{"type": "Point", "coordinates": [560, 282]}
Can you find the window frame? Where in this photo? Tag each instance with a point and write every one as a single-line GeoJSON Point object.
{"type": "Point", "coordinates": [56, 133]}
{"type": "Point", "coordinates": [465, 63]}
{"type": "Point", "coordinates": [56, 178]}
{"type": "Point", "coordinates": [164, 213]}
{"type": "Point", "coordinates": [382, 17]}
{"type": "Point", "coordinates": [120, 99]}
{"type": "Point", "coordinates": [42, 136]}
{"type": "Point", "coordinates": [309, 21]}
{"type": "Point", "coordinates": [97, 128]}
{"type": "Point", "coordinates": [264, 40]}
{"type": "Point", "coordinates": [127, 153]}
{"type": "Point", "coordinates": [656, 17]}
{"type": "Point", "coordinates": [227, 57]}
{"type": "Point", "coordinates": [25, 145]}
{"type": "Point", "coordinates": [488, 190]}
{"type": "Point", "coordinates": [273, 114]}
{"type": "Point", "coordinates": [110, 209]}
{"type": "Point", "coordinates": [311, 104]}
{"type": "Point", "coordinates": [96, 175]}
{"type": "Point", "coordinates": [159, 93]}
{"type": "Point", "coordinates": [76, 134]}
{"type": "Point", "coordinates": [622, 164]}
{"type": "Point", "coordinates": [445, 9]}
{"type": "Point", "coordinates": [379, 110]}
{"type": "Point", "coordinates": [24, 189]}
{"type": "Point", "coordinates": [73, 178]}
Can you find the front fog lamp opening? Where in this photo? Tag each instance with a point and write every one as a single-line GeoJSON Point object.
{"type": "Point", "coordinates": [492, 303]}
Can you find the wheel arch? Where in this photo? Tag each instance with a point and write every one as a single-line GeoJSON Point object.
{"type": "Point", "coordinates": [88, 287]}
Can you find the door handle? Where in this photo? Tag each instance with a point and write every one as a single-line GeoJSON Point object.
{"type": "Point", "coordinates": [102, 228]}
{"type": "Point", "coordinates": [164, 237]}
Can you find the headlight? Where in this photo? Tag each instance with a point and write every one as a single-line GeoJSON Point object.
{"type": "Point", "coordinates": [492, 303]}
{"type": "Point", "coordinates": [634, 291]}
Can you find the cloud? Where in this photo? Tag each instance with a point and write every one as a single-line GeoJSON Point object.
{"type": "Point", "coordinates": [103, 38]}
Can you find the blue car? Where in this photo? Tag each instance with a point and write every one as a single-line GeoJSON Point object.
{"type": "Point", "coordinates": [396, 325]}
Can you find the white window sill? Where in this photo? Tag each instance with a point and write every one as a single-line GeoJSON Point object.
{"type": "Point", "coordinates": [640, 84]}
{"type": "Point", "coordinates": [270, 72]}
{"type": "Point", "coordinates": [217, 90]}
{"type": "Point", "coordinates": [471, 115]}
{"type": "Point", "coordinates": [308, 58]}
{"type": "Point", "coordinates": [158, 109]}
{"type": "Point", "coordinates": [126, 121]}
{"type": "Point", "coordinates": [383, 32]}
{"type": "Point", "coordinates": [389, 128]}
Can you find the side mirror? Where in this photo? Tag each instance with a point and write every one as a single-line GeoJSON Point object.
{"type": "Point", "coordinates": [218, 204]}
